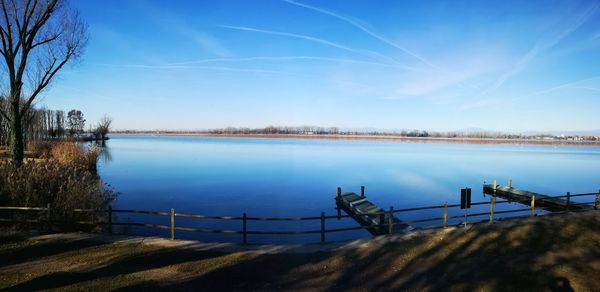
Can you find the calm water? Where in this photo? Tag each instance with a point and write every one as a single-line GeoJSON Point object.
{"type": "Point", "coordinates": [298, 177]}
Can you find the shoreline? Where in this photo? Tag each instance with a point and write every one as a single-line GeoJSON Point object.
{"type": "Point", "coordinates": [377, 138]}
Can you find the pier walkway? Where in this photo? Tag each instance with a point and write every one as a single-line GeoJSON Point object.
{"type": "Point", "coordinates": [367, 214]}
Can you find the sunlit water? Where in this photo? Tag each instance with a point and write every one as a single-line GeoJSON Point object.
{"type": "Point", "coordinates": [299, 177]}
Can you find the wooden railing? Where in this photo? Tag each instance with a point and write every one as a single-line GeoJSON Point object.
{"type": "Point", "coordinates": [244, 231]}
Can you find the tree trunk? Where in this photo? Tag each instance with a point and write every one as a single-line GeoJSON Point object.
{"type": "Point", "coordinates": [16, 137]}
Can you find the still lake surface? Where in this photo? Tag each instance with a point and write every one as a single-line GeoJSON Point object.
{"type": "Point", "coordinates": [299, 177]}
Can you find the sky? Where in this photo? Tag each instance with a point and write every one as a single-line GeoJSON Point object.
{"type": "Point", "coordinates": [435, 65]}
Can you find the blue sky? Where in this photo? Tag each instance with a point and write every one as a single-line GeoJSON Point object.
{"type": "Point", "coordinates": [435, 65]}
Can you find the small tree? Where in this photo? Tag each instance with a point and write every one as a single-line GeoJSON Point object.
{"type": "Point", "coordinates": [103, 127]}
{"type": "Point", "coordinates": [75, 122]}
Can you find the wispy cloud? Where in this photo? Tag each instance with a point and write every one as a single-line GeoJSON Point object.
{"type": "Point", "coordinates": [173, 23]}
{"type": "Point", "coordinates": [539, 47]}
{"type": "Point", "coordinates": [495, 101]}
{"type": "Point", "coordinates": [364, 29]}
{"type": "Point", "coordinates": [208, 42]}
{"type": "Point", "coordinates": [367, 53]}
{"type": "Point", "coordinates": [216, 68]}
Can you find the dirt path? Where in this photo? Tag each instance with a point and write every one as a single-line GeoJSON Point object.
{"type": "Point", "coordinates": [550, 253]}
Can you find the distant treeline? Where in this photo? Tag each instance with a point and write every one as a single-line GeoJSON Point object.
{"type": "Point", "coordinates": [313, 130]}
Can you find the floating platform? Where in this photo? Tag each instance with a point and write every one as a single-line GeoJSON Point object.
{"type": "Point", "coordinates": [542, 201]}
{"type": "Point", "coordinates": [361, 210]}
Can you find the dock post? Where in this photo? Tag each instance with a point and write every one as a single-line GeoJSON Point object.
{"type": "Point", "coordinates": [597, 202]}
{"type": "Point", "coordinates": [381, 221]}
{"type": "Point", "coordinates": [445, 214]}
{"type": "Point", "coordinates": [510, 182]}
{"type": "Point", "coordinates": [568, 201]}
{"type": "Point", "coordinates": [492, 205]}
{"type": "Point", "coordinates": [391, 221]}
{"type": "Point", "coordinates": [362, 191]}
{"type": "Point", "coordinates": [244, 229]}
{"type": "Point", "coordinates": [110, 230]}
{"type": "Point", "coordinates": [494, 185]}
{"type": "Point", "coordinates": [322, 227]}
{"type": "Point", "coordinates": [532, 206]}
{"type": "Point", "coordinates": [172, 224]}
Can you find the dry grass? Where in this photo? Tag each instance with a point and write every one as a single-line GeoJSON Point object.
{"type": "Point", "coordinates": [66, 186]}
{"type": "Point", "coordinates": [73, 153]}
{"type": "Point", "coordinates": [545, 254]}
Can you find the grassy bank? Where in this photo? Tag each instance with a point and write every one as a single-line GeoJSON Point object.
{"type": "Point", "coordinates": [560, 252]}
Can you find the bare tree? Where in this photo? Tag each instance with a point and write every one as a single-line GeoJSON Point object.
{"type": "Point", "coordinates": [38, 39]}
{"type": "Point", "coordinates": [103, 127]}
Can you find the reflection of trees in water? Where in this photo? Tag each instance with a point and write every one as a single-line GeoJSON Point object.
{"type": "Point", "coordinates": [105, 154]}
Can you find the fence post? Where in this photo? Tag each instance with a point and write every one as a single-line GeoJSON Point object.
{"type": "Point", "coordinates": [110, 231]}
{"type": "Point", "coordinates": [244, 229]}
{"type": "Point", "coordinates": [391, 221]}
{"type": "Point", "coordinates": [338, 199]}
{"type": "Point", "coordinates": [322, 227]}
{"type": "Point", "coordinates": [362, 191]}
{"type": "Point", "coordinates": [445, 214]}
{"type": "Point", "coordinates": [48, 217]}
{"type": "Point", "coordinates": [172, 224]}
{"type": "Point", "coordinates": [568, 201]}
{"type": "Point", "coordinates": [532, 206]}
{"type": "Point", "coordinates": [492, 205]}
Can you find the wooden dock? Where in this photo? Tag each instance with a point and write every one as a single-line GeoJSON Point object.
{"type": "Point", "coordinates": [361, 210]}
{"type": "Point", "coordinates": [542, 201]}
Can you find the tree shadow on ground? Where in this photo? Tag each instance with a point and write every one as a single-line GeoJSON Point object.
{"type": "Point", "coordinates": [542, 255]}
{"type": "Point", "coordinates": [552, 254]}
{"type": "Point", "coordinates": [38, 250]}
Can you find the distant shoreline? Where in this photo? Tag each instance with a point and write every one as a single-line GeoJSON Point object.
{"type": "Point", "coordinates": [377, 138]}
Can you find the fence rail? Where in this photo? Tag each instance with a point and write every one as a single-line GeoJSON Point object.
{"type": "Point", "coordinates": [322, 218]}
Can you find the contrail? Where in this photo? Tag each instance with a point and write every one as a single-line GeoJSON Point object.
{"type": "Point", "coordinates": [566, 85]}
{"type": "Point", "coordinates": [377, 36]}
{"type": "Point", "coordinates": [538, 48]}
{"type": "Point", "coordinates": [587, 88]}
{"type": "Point", "coordinates": [217, 68]}
{"type": "Point", "coordinates": [315, 40]}
{"type": "Point", "coordinates": [364, 29]}
{"type": "Point", "coordinates": [486, 102]}
{"type": "Point", "coordinates": [289, 58]}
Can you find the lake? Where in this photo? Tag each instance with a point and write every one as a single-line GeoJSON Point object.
{"type": "Point", "coordinates": [299, 177]}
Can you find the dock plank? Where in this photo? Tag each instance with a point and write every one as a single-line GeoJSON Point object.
{"type": "Point", "coordinates": [542, 201]}
{"type": "Point", "coordinates": [361, 210]}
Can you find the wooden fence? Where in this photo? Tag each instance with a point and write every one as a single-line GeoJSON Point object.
{"type": "Point", "coordinates": [442, 220]}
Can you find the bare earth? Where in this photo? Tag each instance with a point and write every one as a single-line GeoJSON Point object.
{"type": "Point", "coordinates": [548, 253]}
